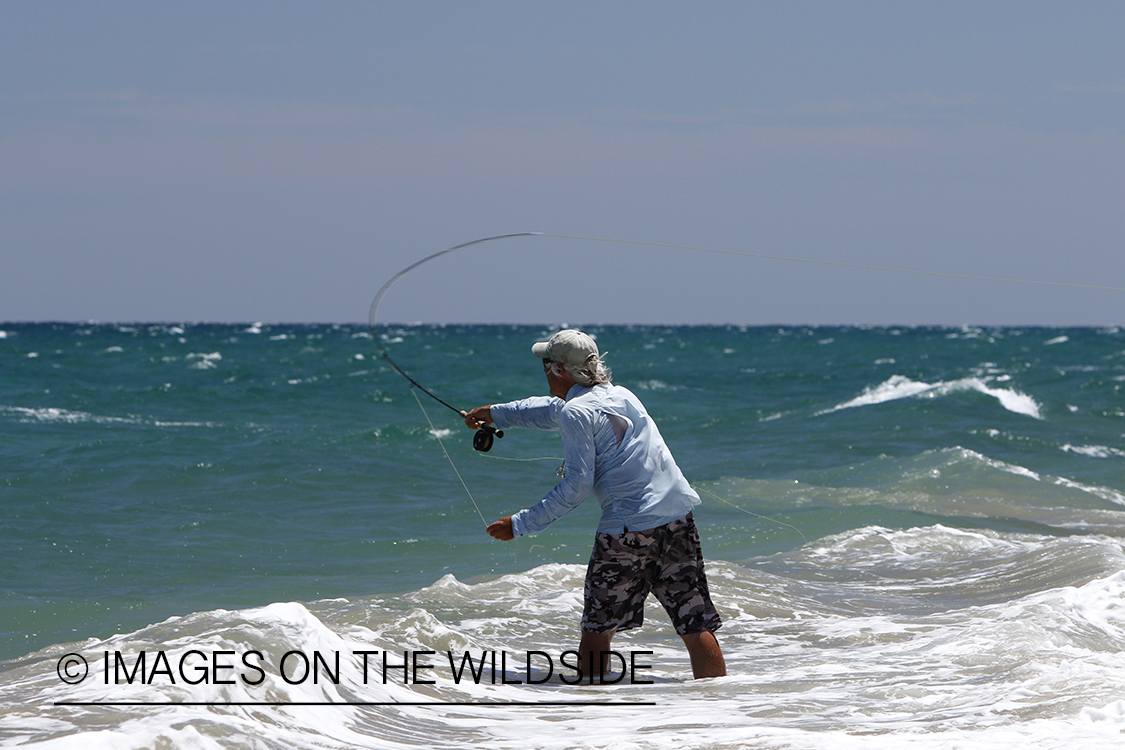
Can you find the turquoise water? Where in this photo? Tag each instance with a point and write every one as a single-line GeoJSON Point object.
{"type": "Point", "coordinates": [862, 487]}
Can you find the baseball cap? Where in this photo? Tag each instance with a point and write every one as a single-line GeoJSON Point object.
{"type": "Point", "coordinates": [568, 347]}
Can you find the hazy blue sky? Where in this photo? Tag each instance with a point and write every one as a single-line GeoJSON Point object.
{"type": "Point", "coordinates": [279, 161]}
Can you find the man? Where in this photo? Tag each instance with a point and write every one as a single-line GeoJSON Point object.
{"type": "Point", "coordinates": [647, 539]}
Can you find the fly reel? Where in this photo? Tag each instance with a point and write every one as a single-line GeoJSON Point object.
{"type": "Point", "coordinates": [482, 441]}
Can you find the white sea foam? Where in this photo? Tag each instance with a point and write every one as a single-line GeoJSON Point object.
{"type": "Point", "coordinates": [1114, 712]}
{"type": "Point", "coordinates": [67, 416]}
{"type": "Point", "coordinates": [1094, 451]}
{"type": "Point", "coordinates": [899, 387]}
{"type": "Point", "coordinates": [896, 387]}
{"type": "Point", "coordinates": [51, 414]}
{"type": "Point", "coordinates": [1104, 493]}
{"type": "Point", "coordinates": [656, 385]}
{"type": "Point", "coordinates": [1004, 466]}
{"type": "Point", "coordinates": [204, 361]}
{"type": "Point", "coordinates": [1010, 399]}
{"type": "Point", "coordinates": [1033, 672]}
{"type": "Point", "coordinates": [1057, 340]}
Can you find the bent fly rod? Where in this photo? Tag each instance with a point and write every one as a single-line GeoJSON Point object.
{"type": "Point", "coordinates": [482, 441]}
{"type": "Point", "coordinates": [483, 438]}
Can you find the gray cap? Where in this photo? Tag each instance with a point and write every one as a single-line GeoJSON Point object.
{"type": "Point", "coordinates": [567, 347]}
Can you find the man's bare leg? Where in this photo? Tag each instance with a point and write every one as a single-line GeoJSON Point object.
{"type": "Point", "coordinates": [706, 656]}
{"type": "Point", "coordinates": [593, 644]}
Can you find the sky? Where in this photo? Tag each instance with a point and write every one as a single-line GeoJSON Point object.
{"type": "Point", "coordinates": [280, 161]}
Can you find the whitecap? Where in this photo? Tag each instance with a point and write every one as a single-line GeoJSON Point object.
{"type": "Point", "coordinates": [52, 414]}
{"type": "Point", "coordinates": [971, 455]}
{"type": "Point", "coordinates": [1104, 493]}
{"type": "Point", "coordinates": [1094, 451]}
{"type": "Point", "coordinates": [656, 385]}
{"type": "Point", "coordinates": [66, 416]}
{"type": "Point", "coordinates": [894, 388]}
{"type": "Point", "coordinates": [204, 361]}
{"type": "Point", "coordinates": [1057, 340]}
{"type": "Point", "coordinates": [898, 387]}
{"type": "Point", "coordinates": [1010, 399]}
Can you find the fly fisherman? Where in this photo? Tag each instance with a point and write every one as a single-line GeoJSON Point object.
{"type": "Point", "coordinates": [647, 539]}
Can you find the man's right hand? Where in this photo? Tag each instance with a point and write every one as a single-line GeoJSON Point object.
{"type": "Point", "coordinates": [502, 529]}
{"type": "Point", "coordinates": [478, 417]}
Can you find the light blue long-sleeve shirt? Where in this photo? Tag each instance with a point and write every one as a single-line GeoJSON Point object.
{"type": "Point", "coordinates": [613, 450]}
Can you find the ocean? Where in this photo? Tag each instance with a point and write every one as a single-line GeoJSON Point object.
{"type": "Point", "coordinates": [249, 536]}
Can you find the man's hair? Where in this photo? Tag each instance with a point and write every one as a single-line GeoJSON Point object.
{"type": "Point", "coordinates": [591, 372]}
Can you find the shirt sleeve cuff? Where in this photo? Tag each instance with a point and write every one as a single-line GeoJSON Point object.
{"type": "Point", "coordinates": [499, 414]}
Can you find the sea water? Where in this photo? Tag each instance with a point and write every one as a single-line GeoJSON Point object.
{"type": "Point", "coordinates": [249, 536]}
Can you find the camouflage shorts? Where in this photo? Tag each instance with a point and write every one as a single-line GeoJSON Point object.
{"type": "Point", "coordinates": [667, 561]}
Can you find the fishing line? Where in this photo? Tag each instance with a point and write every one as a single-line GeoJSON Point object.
{"type": "Point", "coordinates": [483, 439]}
{"type": "Point", "coordinates": [510, 458]}
{"type": "Point", "coordinates": [434, 432]}
{"type": "Point", "coordinates": [832, 262]}
{"type": "Point", "coordinates": [694, 487]}
{"type": "Point", "coordinates": [750, 512]}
